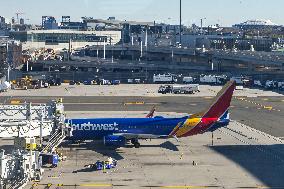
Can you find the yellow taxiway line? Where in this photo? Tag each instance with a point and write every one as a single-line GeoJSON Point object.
{"type": "Point", "coordinates": [96, 185]}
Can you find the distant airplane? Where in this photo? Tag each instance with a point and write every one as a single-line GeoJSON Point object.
{"type": "Point", "coordinates": [117, 131]}
{"type": "Point", "coordinates": [151, 113]}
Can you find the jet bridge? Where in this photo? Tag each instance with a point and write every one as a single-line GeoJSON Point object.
{"type": "Point", "coordinates": [31, 120]}
{"type": "Point", "coordinates": [23, 121]}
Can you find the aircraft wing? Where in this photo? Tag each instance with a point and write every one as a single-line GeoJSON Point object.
{"type": "Point", "coordinates": [129, 136]}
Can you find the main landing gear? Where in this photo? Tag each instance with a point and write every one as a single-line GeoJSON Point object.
{"type": "Point", "coordinates": [135, 142]}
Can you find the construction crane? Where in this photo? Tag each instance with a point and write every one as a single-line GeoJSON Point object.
{"type": "Point", "coordinates": [17, 14]}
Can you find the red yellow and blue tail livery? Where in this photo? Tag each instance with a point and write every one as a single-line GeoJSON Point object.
{"type": "Point", "coordinates": [117, 131]}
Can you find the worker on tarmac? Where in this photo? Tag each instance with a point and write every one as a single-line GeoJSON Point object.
{"type": "Point", "coordinates": [110, 160]}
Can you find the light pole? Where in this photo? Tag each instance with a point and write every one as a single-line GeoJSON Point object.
{"type": "Point", "coordinates": [141, 49]}
{"type": "Point", "coordinates": [180, 17]}
{"type": "Point", "coordinates": [7, 61]}
{"type": "Point", "coordinates": [105, 49]}
{"type": "Point", "coordinates": [27, 65]}
{"type": "Point", "coordinates": [201, 24]}
{"type": "Point", "coordinates": [146, 37]}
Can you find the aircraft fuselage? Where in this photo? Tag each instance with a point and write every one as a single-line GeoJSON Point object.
{"type": "Point", "coordinates": [96, 129]}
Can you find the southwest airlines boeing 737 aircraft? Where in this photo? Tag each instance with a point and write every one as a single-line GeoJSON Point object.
{"type": "Point", "coordinates": [117, 131]}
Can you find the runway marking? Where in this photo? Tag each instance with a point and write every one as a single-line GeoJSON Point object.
{"type": "Point", "coordinates": [134, 103]}
{"type": "Point", "coordinates": [96, 185]}
{"type": "Point", "coordinates": [248, 143]}
{"type": "Point", "coordinates": [268, 107]}
{"type": "Point", "coordinates": [111, 185]}
{"type": "Point", "coordinates": [80, 185]}
{"type": "Point", "coordinates": [241, 98]}
{"type": "Point", "coordinates": [92, 103]}
{"type": "Point", "coordinates": [215, 187]}
{"type": "Point", "coordinates": [208, 97]}
{"type": "Point", "coordinates": [114, 103]}
{"type": "Point", "coordinates": [34, 184]}
{"type": "Point", "coordinates": [15, 102]}
{"type": "Point", "coordinates": [79, 103]}
{"type": "Point", "coordinates": [189, 186]}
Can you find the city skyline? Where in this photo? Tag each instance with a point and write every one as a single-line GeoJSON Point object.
{"type": "Point", "coordinates": [166, 11]}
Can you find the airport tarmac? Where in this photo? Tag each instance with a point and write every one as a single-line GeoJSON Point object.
{"type": "Point", "coordinates": [240, 157]}
{"type": "Point", "coordinates": [150, 90]}
{"type": "Point", "coordinates": [262, 113]}
{"type": "Point", "coordinates": [243, 155]}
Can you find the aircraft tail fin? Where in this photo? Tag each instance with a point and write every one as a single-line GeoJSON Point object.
{"type": "Point", "coordinates": [220, 103]}
{"type": "Point", "coordinates": [201, 122]}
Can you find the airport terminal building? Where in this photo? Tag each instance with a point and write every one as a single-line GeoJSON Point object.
{"type": "Point", "coordinates": [60, 39]}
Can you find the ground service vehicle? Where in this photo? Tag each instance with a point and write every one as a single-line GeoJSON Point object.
{"type": "Point", "coordinates": [257, 83]}
{"type": "Point", "coordinates": [164, 89]}
{"type": "Point", "coordinates": [238, 80]}
{"type": "Point", "coordinates": [281, 86]}
{"type": "Point", "coordinates": [5, 86]}
{"type": "Point", "coordinates": [185, 89]}
{"type": "Point", "coordinates": [115, 82]}
{"type": "Point", "coordinates": [270, 84]}
{"type": "Point", "coordinates": [104, 82]}
{"type": "Point", "coordinates": [188, 80]}
{"type": "Point", "coordinates": [213, 79]}
{"type": "Point", "coordinates": [165, 78]}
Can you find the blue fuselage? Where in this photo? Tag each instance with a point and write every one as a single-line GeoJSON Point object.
{"type": "Point", "coordinates": [96, 129]}
{"type": "Point", "coordinates": [90, 129]}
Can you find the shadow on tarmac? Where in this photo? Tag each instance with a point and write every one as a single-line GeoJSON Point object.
{"type": "Point", "coordinates": [95, 146]}
{"type": "Point", "coordinates": [166, 145]}
{"type": "Point", "coordinates": [7, 148]}
{"type": "Point", "coordinates": [84, 170]}
{"type": "Point", "coordinates": [99, 147]}
{"type": "Point", "coordinates": [264, 162]}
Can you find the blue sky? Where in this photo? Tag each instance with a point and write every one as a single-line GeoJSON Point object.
{"type": "Point", "coordinates": [224, 12]}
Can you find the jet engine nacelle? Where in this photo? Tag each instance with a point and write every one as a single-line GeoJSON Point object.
{"type": "Point", "coordinates": [113, 140]}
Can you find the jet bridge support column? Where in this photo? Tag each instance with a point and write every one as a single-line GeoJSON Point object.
{"type": "Point", "coordinates": [41, 125]}
{"type": "Point", "coordinates": [29, 111]}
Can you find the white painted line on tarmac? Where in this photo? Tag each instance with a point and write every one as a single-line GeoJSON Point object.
{"type": "Point", "coordinates": [104, 103]}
